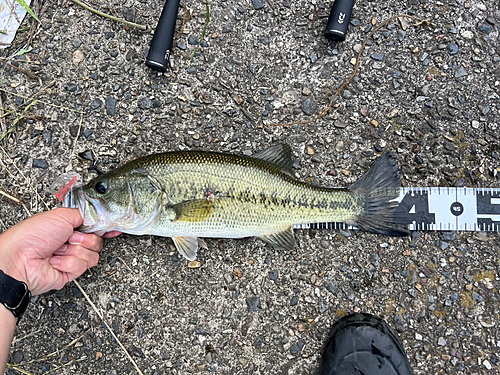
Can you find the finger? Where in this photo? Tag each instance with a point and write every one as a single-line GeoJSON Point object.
{"type": "Point", "coordinates": [111, 234]}
{"type": "Point", "coordinates": [70, 215]}
{"type": "Point", "coordinates": [89, 256]}
{"type": "Point", "coordinates": [87, 240]}
{"type": "Point", "coordinates": [74, 265]}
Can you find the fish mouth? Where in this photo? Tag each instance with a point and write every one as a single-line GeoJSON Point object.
{"type": "Point", "coordinates": [93, 212]}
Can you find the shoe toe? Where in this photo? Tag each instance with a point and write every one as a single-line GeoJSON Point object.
{"type": "Point", "coordinates": [363, 344]}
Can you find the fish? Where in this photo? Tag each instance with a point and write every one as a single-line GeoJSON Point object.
{"type": "Point", "coordinates": [190, 195]}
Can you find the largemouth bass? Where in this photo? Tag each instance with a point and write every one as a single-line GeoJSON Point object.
{"type": "Point", "coordinates": [188, 195]}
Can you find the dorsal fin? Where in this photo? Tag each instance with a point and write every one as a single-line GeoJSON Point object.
{"type": "Point", "coordinates": [279, 155]}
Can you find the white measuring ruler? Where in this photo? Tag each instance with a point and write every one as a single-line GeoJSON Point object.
{"type": "Point", "coordinates": [441, 208]}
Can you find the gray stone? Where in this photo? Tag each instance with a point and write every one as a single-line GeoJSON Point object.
{"type": "Point", "coordinates": [460, 72]}
{"type": "Point", "coordinates": [40, 163]}
{"type": "Point", "coordinates": [253, 304]}
{"type": "Point", "coordinates": [400, 326]}
{"type": "Point", "coordinates": [129, 14]}
{"type": "Point", "coordinates": [77, 42]}
{"type": "Point", "coordinates": [308, 106]}
{"type": "Point", "coordinates": [17, 356]}
{"type": "Point", "coordinates": [71, 87]}
{"type": "Point", "coordinates": [331, 286]}
{"type": "Point", "coordinates": [258, 4]}
{"type": "Point", "coordinates": [477, 297]}
{"type": "Point", "coordinates": [96, 103]}
{"type": "Point", "coordinates": [87, 155]}
{"type": "Point", "coordinates": [323, 306]}
{"type": "Point", "coordinates": [192, 40]}
{"type": "Point", "coordinates": [448, 236]}
{"type": "Point", "coordinates": [144, 103]}
{"type": "Point", "coordinates": [452, 49]}
{"type": "Point", "coordinates": [110, 106]}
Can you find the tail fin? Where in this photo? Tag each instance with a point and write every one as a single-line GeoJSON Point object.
{"type": "Point", "coordinates": [377, 188]}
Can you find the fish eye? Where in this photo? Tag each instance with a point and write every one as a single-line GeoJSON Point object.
{"type": "Point", "coordinates": [100, 187]}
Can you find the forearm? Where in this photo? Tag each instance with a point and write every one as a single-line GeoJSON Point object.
{"type": "Point", "coordinates": [7, 328]}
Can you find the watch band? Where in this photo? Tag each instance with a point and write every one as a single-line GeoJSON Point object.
{"type": "Point", "coordinates": [14, 294]}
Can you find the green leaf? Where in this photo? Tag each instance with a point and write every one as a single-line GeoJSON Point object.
{"type": "Point", "coordinates": [23, 51]}
{"type": "Point", "coordinates": [28, 9]}
{"type": "Point", "coordinates": [207, 20]}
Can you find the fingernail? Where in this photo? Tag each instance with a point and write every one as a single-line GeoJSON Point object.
{"type": "Point", "coordinates": [62, 249]}
{"type": "Point", "coordinates": [54, 261]}
{"type": "Point", "coordinates": [76, 238]}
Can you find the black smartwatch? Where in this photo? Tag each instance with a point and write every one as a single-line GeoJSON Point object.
{"type": "Point", "coordinates": [14, 294]}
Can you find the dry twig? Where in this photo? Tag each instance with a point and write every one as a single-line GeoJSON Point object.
{"type": "Point", "coordinates": [83, 5]}
{"type": "Point", "coordinates": [107, 326]}
{"type": "Point", "coordinates": [29, 74]}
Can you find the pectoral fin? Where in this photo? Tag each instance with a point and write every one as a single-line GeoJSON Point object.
{"type": "Point", "coordinates": [193, 211]}
{"type": "Point", "coordinates": [284, 240]}
{"type": "Point", "coordinates": [187, 246]}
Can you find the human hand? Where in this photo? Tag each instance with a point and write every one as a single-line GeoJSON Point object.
{"type": "Point", "coordinates": [46, 252]}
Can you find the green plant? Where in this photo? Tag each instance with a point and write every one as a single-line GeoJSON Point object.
{"type": "Point", "coordinates": [207, 20]}
{"type": "Point", "coordinates": [28, 9]}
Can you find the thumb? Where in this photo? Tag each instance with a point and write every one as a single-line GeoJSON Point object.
{"type": "Point", "coordinates": [70, 215]}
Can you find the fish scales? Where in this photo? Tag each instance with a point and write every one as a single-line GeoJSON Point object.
{"type": "Point", "coordinates": [250, 197]}
{"type": "Point", "coordinates": [190, 194]}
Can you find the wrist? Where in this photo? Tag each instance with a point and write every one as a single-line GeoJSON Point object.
{"type": "Point", "coordinates": [10, 262]}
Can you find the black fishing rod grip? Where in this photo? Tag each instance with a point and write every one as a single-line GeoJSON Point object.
{"type": "Point", "coordinates": [340, 15]}
{"type": "Point", "coordinates": [163, 38]}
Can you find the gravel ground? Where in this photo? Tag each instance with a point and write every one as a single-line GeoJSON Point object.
{"type": "Point", "coordinates": [430, 93]}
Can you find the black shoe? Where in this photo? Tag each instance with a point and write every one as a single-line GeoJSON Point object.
{"type": "Point", "coordinates": [363, 344]}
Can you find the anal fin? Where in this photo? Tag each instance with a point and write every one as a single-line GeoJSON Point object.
{"type": "Point", "coordinates": [283, 240]}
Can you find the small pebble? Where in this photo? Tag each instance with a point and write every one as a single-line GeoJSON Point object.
{"type": "Point", "coordinates": [253, 304]}
{"type": "Point", "coordinates": [96, 103]}
{"type": "Point", "coordinates": [460, 72]}
{"type": "Point", "coordinates": [110, 106]}
{"type": "Point", "coordinates": [452, 49]}
{"type": "Point", "coordinates": [308, 106]}
{"type": "Point", "coordinates": [129, 14]}
{"type": "Point", "coordinates": [258, 4]}
{"type": "Point", "coordinates": [40, 163]}
{"type": "Point", "coordinates": [144, 103]}
{"type": "Point", "coordinates": [331, 287]}
{"type": "Point", "coordinates": [477, 297]}
{"type": "Point", "coordinates": [192, 40]}
{"type": "Point", "coordinates": [71, 87]}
